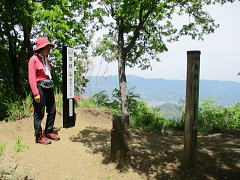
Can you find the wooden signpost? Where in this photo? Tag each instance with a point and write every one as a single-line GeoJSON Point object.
{"type": "Point", "coordinates": [191, 108]}
{"type": "Point", "coordinates": [69, 115]}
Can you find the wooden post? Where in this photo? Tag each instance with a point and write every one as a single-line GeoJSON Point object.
{"type": "Point", "coordinates": [191, 108]}
{"type": "Point", "coordinates": [119, 139]}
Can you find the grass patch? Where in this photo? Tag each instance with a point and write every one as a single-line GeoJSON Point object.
{"type": "Point", "coordinates": [20, 147]}
{"type": "Point", "coordinates": [2, 148]}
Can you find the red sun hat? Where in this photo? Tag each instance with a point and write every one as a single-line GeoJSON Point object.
{"type": "Point", "coordinates": [42, 42]}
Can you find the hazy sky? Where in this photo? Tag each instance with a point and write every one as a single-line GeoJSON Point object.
{"type": "Point", "coordinates": [220, 52]}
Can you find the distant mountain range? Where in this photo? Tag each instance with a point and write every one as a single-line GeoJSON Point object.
{"type": "Point", "coordinates": [160, 91]}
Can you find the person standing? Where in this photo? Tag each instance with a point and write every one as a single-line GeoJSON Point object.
{"type": "Point", "coordinates": [42, 87]}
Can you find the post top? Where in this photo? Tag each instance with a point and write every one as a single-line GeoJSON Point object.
{"type": "Point", "coordinates": [194, 52]}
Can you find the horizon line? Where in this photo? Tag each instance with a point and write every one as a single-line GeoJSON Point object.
{"type": "Point", "coordinates": [165, 78]}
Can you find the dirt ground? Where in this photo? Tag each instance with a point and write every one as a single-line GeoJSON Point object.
{"type": "Point", "coordinates": [83, 152]}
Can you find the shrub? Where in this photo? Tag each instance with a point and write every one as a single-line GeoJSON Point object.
{"type": "Point", "coordinates": [233, 117]}
{"type": "Point", "coordinates": [212, 117]}
{"type": "Point", "coordinates": [86, 103]}
{"type": "Point", "coordinates": [17, 108]}
{"type": "Point", "coordinates": [140, 114]}
{"type": "Point", "coordinates": [6, 94]}
{"type": "Point", "coordinates": [179, 121]}
{"type": "Point", "coordinates": [102, 100]}
{"type": "Point", "coordinates": [147, 119]}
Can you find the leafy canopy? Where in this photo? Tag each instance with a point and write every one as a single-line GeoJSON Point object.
{"type": "Point", "coordinates": [146, 26]}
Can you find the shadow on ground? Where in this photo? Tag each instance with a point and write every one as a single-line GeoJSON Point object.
{"type": "Point", "coordinates": [160, 156]}
{"type": "Point", "coordinates": [96, 139]}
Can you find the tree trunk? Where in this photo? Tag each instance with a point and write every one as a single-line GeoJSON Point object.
{"type": "Point", "coordinates": [16, 74]}
{"type": "Point", "coordinates": [123, 85]}
{"type": "Point", "coordinates": [24, 55]}
{"type": "Point", "coordinates": [121, 68]}
{"type": "Point", "coordinates": [27, 42]}
{"type": "Point", "coordinates": [15, 66]}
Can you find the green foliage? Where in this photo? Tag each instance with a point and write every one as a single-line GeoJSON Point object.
{"type": "Point", "coordinates": [88, 103]}
{"type": "Point", "coordinates": [212, 117]}
{"type": "Point", "coordinates": [19, 147]}
{"type": "Point", "coordinates": [139, 30]}
{"type": "Point", "coordinates": [178, 122]}
{"type": "Point", "coordinates": [16, 22]}
{"type": "Point", "coordinates": [3, 107]}
{"type": "Point", "coordinates": [101, 99]}
{"type": "Point", "coordinates": [22, 22]}
{"type": "Point", "coordinates": [80, 80]}
{"type": "Point", "coordinates": [233, 117]}
{"type": "Point", "coordinates": [65, 24]}
{"type": "Point", "coordinates": [2, 148]}
{"type": "Point", "coordinates": [147, 118]}
{"type": "Point", "coordinates": [132, 99]}
{"type": "Point", "coordinates": [16, 108]}
{"type": "Point", "coordinates": [151, 119]}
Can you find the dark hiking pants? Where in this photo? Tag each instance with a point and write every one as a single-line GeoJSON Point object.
{"type": "Point", "coordinates": [46, 100]}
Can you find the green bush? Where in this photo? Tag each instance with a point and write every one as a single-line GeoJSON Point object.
{"type": "Point", "coordinates": [178, 122]}
{"type": "Point", "coordinates": [12, 105]}
{"type": "Point", "coordinates": [147, 119]}
{"type": "Point", "coordinates": [102, 100]}
{"type": "Point", "coordinates": [212, 117]}
{"type": "Point", "coordinates": [5, 94]}
{"type": "Point", "coordinates": [141, 115]}
{"type": "Point", "coordinates": [17, 108]}
{"type": "Point", "coordinates": [233, 117]}
{"type": "Point", "coordinates": [86, 103]}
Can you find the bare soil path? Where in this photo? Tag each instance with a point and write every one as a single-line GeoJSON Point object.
{"type": "Point", "coordinates": [83, 152]}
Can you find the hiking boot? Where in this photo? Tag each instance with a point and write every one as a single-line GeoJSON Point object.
{"type": "Point", "coordinates": [53, 136]}
{"type": "Point", "coordinates": [41, 139]}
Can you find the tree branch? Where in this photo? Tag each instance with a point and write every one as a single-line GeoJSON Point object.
{"type": "Point", "coordinates": [108, 10]}
{"type": "Point", "coordinates": [112, 11]}
{"type": "Point", "coordinates": [142, 20]}
{"type": "Point", "coordinates": [120, 35]}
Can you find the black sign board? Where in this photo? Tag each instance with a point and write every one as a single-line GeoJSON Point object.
{"type": "Point", "coordinates": [69, 116]}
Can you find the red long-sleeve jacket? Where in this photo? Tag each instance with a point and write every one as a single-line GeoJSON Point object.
{"type": "Point", "coordinates": [36, 72]}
